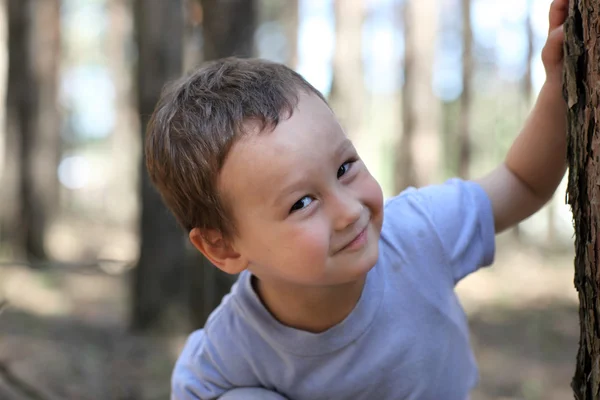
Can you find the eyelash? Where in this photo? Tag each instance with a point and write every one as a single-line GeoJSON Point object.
{"type": "Point", "coordinates": [300, 202]}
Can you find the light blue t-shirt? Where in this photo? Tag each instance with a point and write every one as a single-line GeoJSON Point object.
{"type": "Point", "coordinates": [407, 337]}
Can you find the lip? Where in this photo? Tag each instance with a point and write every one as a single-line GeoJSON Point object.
{"type": "Point", "coordinates": [358, 242]}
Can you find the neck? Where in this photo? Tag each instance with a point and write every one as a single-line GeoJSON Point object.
{"type": "Point", "coordinates": [309, 308]}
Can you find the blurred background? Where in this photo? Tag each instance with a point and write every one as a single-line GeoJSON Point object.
{"type": "Point", "coordinates": [98, 285]}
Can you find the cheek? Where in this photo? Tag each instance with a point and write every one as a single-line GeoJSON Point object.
{"type": "Point", "coordinates": [310, 239]}
{"type": "Point", "coordinates": [258, 239]}
{"type": "Point", "coordinates": [372, 196]}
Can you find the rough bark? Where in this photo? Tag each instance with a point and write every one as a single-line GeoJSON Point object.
{"type": "Point", "coordinates": [582, 83]}
{"type": "Point", "coordinates": [417, 155]}
{"type": "Point", "coordinates": [464, 126]}
{"type": "Point", "coordinates": [347, 89]}
{"type": "Point", "coordinates": [160, 273]}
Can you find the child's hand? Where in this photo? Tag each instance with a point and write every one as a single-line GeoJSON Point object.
{"type": "Point", "coordinates": [552, 53]}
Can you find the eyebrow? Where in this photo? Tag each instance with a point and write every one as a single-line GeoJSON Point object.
{"type": "Point", "coordinates": [343, 147]}
{"type": "Point", "coordinates": [298, 183]}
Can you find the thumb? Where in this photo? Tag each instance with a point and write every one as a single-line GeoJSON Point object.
{"type": "Point", "coordinates": [552, 53]}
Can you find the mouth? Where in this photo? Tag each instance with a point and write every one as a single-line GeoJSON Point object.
{"type": "Point", "coordinates": [358, 242]}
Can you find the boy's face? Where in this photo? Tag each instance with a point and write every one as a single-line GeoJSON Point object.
{"type": "Point", "coordinates": [307, 210]}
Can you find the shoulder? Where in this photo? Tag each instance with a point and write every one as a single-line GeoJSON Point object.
{"type": "Point", "coordinates": [451, 192]}
{"type": "Point", "coordinates": [450, 223]}
{"type": "Point", "coordinates": [213, 359]}
{"type": "Point", "coordinates": [424, 207]}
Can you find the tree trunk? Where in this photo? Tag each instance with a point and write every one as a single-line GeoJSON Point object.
{"type": "Point", "coordinates": [582, 78]}
{"type": "Point", "coordinates": [405, 174]}
{"type": "Point", "coordinates": [291, 24]}
{"type": "Point", "coordinates": [417, 155]}
{"type": "Point", "coordinates": [124, 139]}
{"type": "Point", "coordinates": [347, 89]}
{"type": "Point", "coordinates": [464, 125]}
{"type": "Point", "coordinates": [526, 89]}
{"type": "Point", "coordinates": [192, 35]}
{"type": "Point", "coordinates": [160, 273]}
{"type": "Point", "coordinates": [228, 30]}
{"type": "Point", "coordinates": [527, 83]}
{"type": "Point", "coordinates": [34, 44]}
{"type": "Point", "coordinates": [228, 27]}
{"type": "Point", "coordinates": [10, 163]}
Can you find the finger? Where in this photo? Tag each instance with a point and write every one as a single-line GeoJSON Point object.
{"type": "Point", "coordinates": [559, 10]}
{"type": "Point", "coordinates": [552, 53]}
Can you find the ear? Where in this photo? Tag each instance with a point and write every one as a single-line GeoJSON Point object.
{"type": "Point", "coordinates": [218, 251]}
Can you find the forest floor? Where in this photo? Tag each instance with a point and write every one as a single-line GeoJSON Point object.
{"type": "Point", "coordinates": [64, 334]}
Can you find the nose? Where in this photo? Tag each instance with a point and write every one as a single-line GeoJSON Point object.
{"type": "Point", "coordinates": [346, 211]}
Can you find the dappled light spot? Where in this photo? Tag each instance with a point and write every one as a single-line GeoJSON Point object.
{"type": "Point", "coordinates": [33, 292]}
{"type": "Point", "coordinates": [74, 172]}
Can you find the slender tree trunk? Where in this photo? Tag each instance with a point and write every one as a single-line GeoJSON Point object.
{"type": "Point", "coordinates": [12, 38]}
{"type": "Point", "coordinates": [192, 35]}
{"type": "Point", "coordinates": [417, 155]}
{"type": "Point", "coordinates": [228, 29]}
{"type": "Point", "coordinates": [526, 89]}
{"type": "Point", "coordinates": [527, 83]}
{"type": "Point", "coordinates": [160, 273]}
{"type": "Point", "coordinates": [405, 174]}
{"type": "Point", "coordinates": [527, 92]}
{"type": "Point", "coordinates": [34, 44]}
{"type": "Point", "coordinates": [347, 89]}
{"type": "Point", "coordinates": [291, 23]}
{"type": "Point", "coordinates": [582, 80]}
{"type": "Point", "coordinates": [124, 139]}
{"type": "Point", "coordinates": [464, 125]}
{"type": "Point", "coordinates": [41, 146]}
{"type": "Point", "coordinates": [3, 83]}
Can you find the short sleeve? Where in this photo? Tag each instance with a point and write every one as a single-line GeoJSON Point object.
{"type": "Point", "coordinates": [462, 216]}
{"type": "Point", "coordinates": [195, 376]}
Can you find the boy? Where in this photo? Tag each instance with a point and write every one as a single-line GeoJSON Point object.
{"type": "Point", "coordinates": [339, 296]}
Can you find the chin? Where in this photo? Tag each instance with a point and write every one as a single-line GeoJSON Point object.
{"type": "Point", "coordinates": [368, 260]}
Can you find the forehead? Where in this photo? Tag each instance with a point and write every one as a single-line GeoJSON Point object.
{"type": "Point", "coordinates": [261, 161]}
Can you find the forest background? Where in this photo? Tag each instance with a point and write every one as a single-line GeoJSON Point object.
{"type": "Point", "coordinates": [98, 286]}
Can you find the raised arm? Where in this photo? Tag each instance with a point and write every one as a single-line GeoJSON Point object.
{"type": "Point", "coordinates": [536, 162]}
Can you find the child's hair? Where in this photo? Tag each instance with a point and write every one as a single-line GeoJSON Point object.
{"type": "Point", "coordinates": [197, 120]}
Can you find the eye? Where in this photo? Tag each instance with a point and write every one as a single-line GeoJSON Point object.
{"type": "Point", "coordinates": [345, 167]}
{"type": "Point", "coordinates": [302, 203]}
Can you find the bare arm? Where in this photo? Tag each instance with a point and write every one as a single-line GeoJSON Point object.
{"type": "Point", "coordinates": [536, 162]}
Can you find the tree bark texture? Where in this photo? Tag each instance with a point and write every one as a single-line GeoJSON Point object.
{"type": "Point", "coordinates": [160, 273]}
{"type": "Point", "coordinates": [582, 92]}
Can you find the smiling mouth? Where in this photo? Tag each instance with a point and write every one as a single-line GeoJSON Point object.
{"type": "Point", "coordinates": [358, 242]}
